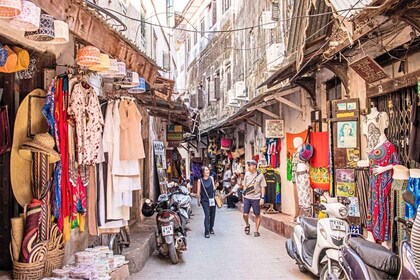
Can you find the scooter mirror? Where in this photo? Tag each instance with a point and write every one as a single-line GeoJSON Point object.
{"type": "Point", "coordinates": [318, 192]}
{"type": "Point", "coordinates": [409, 197]}
{"type": "Point", "coordinates": [147, 201]}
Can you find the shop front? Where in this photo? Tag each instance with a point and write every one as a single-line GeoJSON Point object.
{"type": "Point", "coordinates": [74, 139]}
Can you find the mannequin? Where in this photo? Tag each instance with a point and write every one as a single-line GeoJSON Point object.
{"type": "Point", "coordinates": [301, 179]}
{"type": "Point", "coordinates": [382, 158]}
{"type": "Point", "coordinates": [415, 232]}
{"type": "Point", "coordinates": [373, 127]}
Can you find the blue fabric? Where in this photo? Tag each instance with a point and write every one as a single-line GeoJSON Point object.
{"type": "Point", "coordinates": [209, 216]}
{"type": "Point", "coordinates": [252, 203]}
{"type": "Point", "coordinates": [3, 55]}
{"type": "Point", "coordinates": [414, 187]}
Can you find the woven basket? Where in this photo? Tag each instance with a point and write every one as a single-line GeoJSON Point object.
{"type": "Point", "coordinates": [28, 271]}
{"type": "Point", "coordinates": [54, 260]}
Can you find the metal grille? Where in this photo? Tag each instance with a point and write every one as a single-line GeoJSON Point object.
{"type": "Point", "coordinates": [398, 106]}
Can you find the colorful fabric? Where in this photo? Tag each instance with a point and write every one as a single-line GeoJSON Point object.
{"type": "Point", "coordinates": [414, 187]}
{"type": "Point", "coordinates": [319, 173]}
{"type": "Point", "coordinates": [398, 207]}
{"type": "Point", "coordinates": [289, 169]}
{"type": "Point", "coordinates": [378, 220]}
{"type": "Point", "coordinates": [85, 110]}
{"type": "Point", "coordinates": [289, 141]}
{"type": "Point", "coordinates": [30, 236]}
{"type": "Point", "coordinates": [302, 183]}
{"type": "Point", "coordinates": [362, 192]}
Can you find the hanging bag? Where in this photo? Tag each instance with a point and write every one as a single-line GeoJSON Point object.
{"type": "Point", "coordinates": [5, 138]}
{"type": "Point", "coordinates": [307, 150]}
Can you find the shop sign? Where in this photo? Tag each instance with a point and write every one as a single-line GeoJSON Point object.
{"type": "Point", "coordinates": [160, 164]}
{"type": "Point", "coordinates": [174, 133]}
{"type": "Point", "coordinates": [368, 69]}
{"type": "Point", "coordinates": [274, 128]}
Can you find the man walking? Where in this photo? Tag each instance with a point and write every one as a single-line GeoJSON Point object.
{"type": "Point", "coordinates": [254, 189]}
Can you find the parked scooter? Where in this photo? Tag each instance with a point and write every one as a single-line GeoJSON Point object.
{"type": "Point", "coordinates": [170, 235]}
{"type": "Point", "coordinates": [315, 243]}
{"type": "Point", "coordinates": [362, 259]}
{"type": "Point", "coordinates": [182, 198]}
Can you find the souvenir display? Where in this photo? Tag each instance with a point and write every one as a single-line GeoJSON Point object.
{"type": "Point", "coordinates": [45, 31]}
{"type": "Point", "coordinates": [29, 19]}
{"type": "Point", "coordinates": [61, 32]}
{"type": "Point", "coordinates": [88, 56]}
{"type": "Point", "coordinates": [103, 65]}
{"type": "Point", "coordinates": [10, 8]}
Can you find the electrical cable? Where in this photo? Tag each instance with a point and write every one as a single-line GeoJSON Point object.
{"type": "Point", "coordinates": [230, 30]}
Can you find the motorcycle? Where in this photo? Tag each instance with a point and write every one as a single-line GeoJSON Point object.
{"type": "Point", "coordinates": [170, 235]}
{"type": "Point", "coordinates": [363, 259]}
{"type": "Point", "coordinates": [315, 243]}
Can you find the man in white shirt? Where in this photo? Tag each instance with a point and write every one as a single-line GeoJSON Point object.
{"type": "Point", "coordinates": [232, 195]}
{"type": "Point", "coordinates": [227, 176]}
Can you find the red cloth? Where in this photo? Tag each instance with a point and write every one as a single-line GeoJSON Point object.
{"type": "Point", "coordinates": [319, 171]}
{"type": "Point", "coordinates": [289, 141]}
{"type": "Point", "coordinates": [60, 106]}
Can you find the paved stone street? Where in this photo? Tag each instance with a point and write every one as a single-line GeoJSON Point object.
{"type": "Point", "coordinates": [229, 254]}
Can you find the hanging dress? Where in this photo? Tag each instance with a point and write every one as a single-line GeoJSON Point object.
{"type": "Point", "coordinates": [378, 216]}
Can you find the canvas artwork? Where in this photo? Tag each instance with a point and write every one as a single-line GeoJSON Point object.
{"type": "Point", "coordinates": [347, 134]}
{"type": "Point", "coordinates": [345, 182]}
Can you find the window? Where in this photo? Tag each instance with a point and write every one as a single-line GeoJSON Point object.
{"type": "Point", "coordinates": [202, 26]}
{"type": "Point", "coordinates": [217, 86]}
{"type": "Point", "coordinates": [251, 50]}
{"type": "Point", "coordinates": [228, 78]}
{"type": "Point", "coordinates": [154, 47]}
{"type": "Point", "coordinates": [261, 49]}
{"type": "Point", "coordinates": [195, 36]}
{"type": "Point", "coordinates": [226, 5]}
{"type": "Point", "coordinates": [170, 16]}
{"type": "Point", "coordinates": [214, 12]}
{"type": "Point", "coordinates": [188, 41]}
{"type": "Point", "coordinates": [143, 29]}
{"type": "Point", "coordinates": [333, 88]}
{"type": "Point", "coordinates": [209, 90]}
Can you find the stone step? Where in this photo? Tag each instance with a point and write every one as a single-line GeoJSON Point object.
{"type": "Point", "coordinates": [279, 223]}
{"type": "Point", "coordinates": [142, 245]}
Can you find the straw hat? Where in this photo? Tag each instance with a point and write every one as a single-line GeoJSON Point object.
{"type": "Point", "coordinates": [11, 61]}
{"type": "Point", "coordinates": [22, 59]}
{"type": "Point", "coordinates": [42, 143]}
{"type": "Point", "coordinates": [20, 174]}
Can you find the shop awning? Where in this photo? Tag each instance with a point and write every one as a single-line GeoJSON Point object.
{"type": "Point", "coordinates": [90, 28]}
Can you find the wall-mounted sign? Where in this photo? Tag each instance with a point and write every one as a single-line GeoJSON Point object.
{"type": "Point", "coordinates": [174, 133]}
{"type": "Point", "coordinates": [274, 128]}
{"type": "Point", "coordinates": [368, 69]}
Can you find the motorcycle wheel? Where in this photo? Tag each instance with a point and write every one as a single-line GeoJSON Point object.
{"type": "Point", "coordinates": [173, 255]}
{"type": "Point", "coordinates": [337, 272]}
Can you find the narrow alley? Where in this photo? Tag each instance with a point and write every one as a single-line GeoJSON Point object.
{"type": "Point", "coordinates": [229, 254]}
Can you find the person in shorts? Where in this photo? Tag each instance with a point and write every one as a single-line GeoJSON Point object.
{"type": "Point", "coordinates": [254, 190]}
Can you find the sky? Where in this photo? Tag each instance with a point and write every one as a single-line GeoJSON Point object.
{"type": "Point", "coordinates": [179, 5]}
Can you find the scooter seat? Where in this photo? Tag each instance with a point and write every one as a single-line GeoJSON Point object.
{"type": "Point", "coordinates": [309, 226]}
{"type": "Point", "coordinates": [375, 255]}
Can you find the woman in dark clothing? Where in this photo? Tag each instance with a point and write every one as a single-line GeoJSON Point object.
{"type": "Point", "coordinates": [205, 196]}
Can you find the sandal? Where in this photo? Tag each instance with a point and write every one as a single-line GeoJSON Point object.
{"type": "Point", "coordinates": [256, 234]}
{"type": "Point", "coordinates": [247, 229]}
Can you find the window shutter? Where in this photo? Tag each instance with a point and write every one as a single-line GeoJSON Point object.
{"type": "Point", "coordinates": [214, 12]}
{"type": "Point", "coordinates": [166, 65]}
{"type": "Point", "coordinates": [216, 87]}
{"type": "Point", "coordinates": [200, 99]}
{"type": "Point", "coordinates": [193, 100]}
{"type": "Point", "coordinates": [275, 10]}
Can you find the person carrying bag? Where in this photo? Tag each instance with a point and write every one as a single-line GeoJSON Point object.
{"type": "Point", "coordinates": [206, 192]}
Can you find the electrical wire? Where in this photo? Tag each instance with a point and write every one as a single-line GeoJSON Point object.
{"type": "Point", "coordinates": [230, 30]}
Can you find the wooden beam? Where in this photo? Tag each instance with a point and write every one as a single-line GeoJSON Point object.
{"type": "Point", "coordinates": [289, 103]}
{"type": "Point", "coordinates": [282, 93]}
{"type": "Point", "coordinates": [268, 113]}
{"type": "Point", "coordinates": [262, 105]}
{"type": "Point", "coordinates": [251, 121]}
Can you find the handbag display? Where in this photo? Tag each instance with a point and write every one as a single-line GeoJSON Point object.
{"type": "Point", "coordinates": [5, 138]}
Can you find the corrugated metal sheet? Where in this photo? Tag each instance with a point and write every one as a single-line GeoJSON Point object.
{"type": "Point", "coordinates": [318, 24]}
{"type": "Point", "coordinates": [348, 8]}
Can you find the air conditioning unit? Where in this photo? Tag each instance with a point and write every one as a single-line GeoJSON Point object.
{"type": "Point", "coordinates": [275, 56]}
{"type": "Point", "coordinates": [240, 89]}
{"type": "Point", "coordinates": [232, 98]}
{"type": "Point", "coordinates": [267, 21]}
